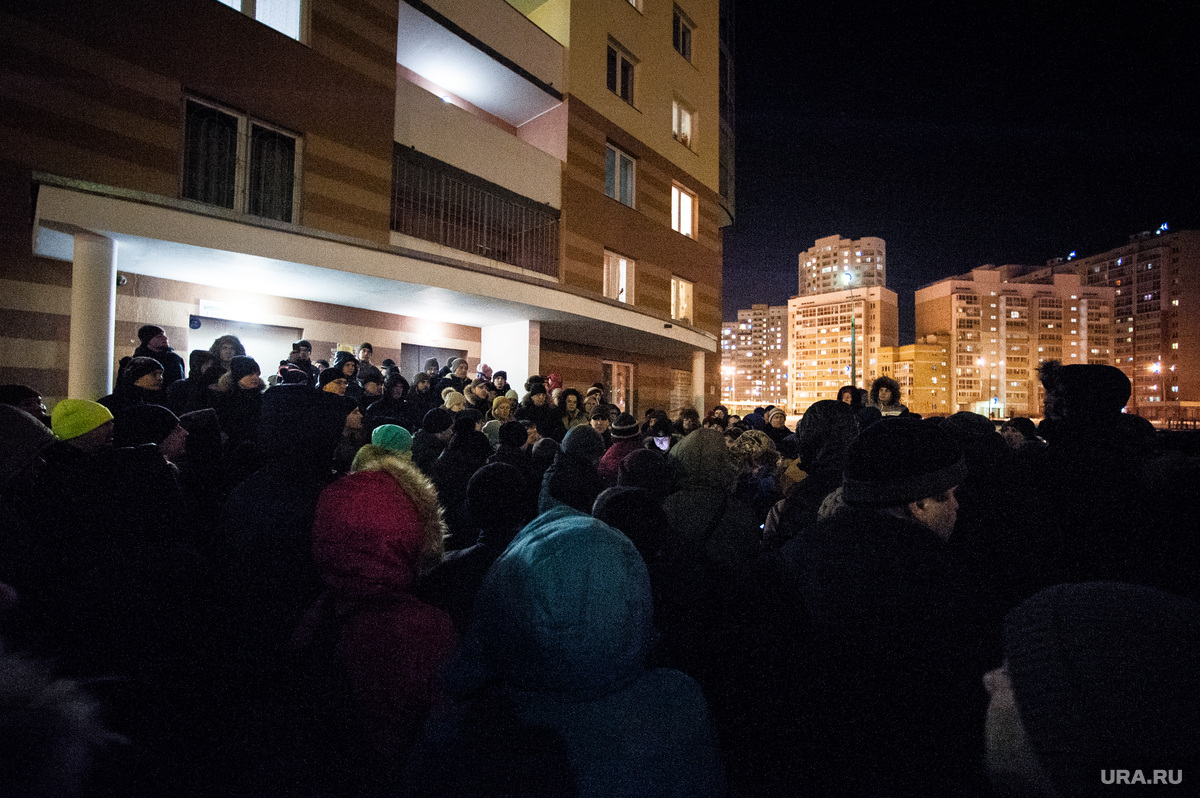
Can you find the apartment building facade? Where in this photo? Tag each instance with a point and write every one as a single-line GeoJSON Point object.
{"type": "Point", "coordinates": [922, 371]}
{"type": "Point", "coordinates": [441, 178]}
{"type": "Point", "coordinates": [1002, 322]}
{"type": "Point", "coordinates": [833, 263]}
{"type": "Point", "coordinates": [834, 339]}
{"type": "Point", "coordinates": [754, 359]}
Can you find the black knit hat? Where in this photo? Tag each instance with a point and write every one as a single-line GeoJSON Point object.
{"type": "Point", "coordinates": [536, 389]}
{"type": "Point", "coordinates": [139, 367]}
{"type": "Point", "coordinates": [1106, 675]}
{"type": "Point", "coordinates": [242, 366]}
{"type": "Point", "coordinates": [625, 426]}
{"type": "Point", "coordinates": [148, 331]}
{"type": "Point", "coordinates": [439, 419]}
{"type": "Point", "coordinates": [141, 424]}
{"type": "Point", "coordinates": [329, 375]}
{"type": "Point", "coordinates": [899, 460]}
{"type": "Point", "coordinates": [495, 497]}
{"type": "Point", "coordinates": [513, 433]}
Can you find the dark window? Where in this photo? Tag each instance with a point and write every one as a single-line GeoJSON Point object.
{"type": "Point", "coordinates": [210, 156]}
{"type": "Point", "coordinates": [620, 74]}
{"type": "Point", "coordinates": [272, 170]}
{"type": "Point", "coordinates": [681, 35]}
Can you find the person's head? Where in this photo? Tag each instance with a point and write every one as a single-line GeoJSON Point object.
{"type": "Point", "coordinates": [153, 338]}
{"type": "Point", "coordinates": [689, 419]}
{"type": "Point", "coordinates": [478, 389]}
{"type": "Point", "coordinates": [502, 408]}
{"type": "Point", "coordinates": [365, 351]}
{"type": "Point", "coordinates": [349, 368]}
{"type": "Point", "coordinates": [846, 394]}
{"type": "Point", "coordinates": [145, 373]}
{"type": "Point", "coordinates": [500, 380]}
{"type": "Point", "coordinates": [532, 436]}
{"type": "Point", "coordinates": [494, 498]}
{"type": "Point", "coordinates": [1096, 676]}
{"type": "Point", "coordinates": [599, 421]}
{"type": "Point", "coordinates": [372, 386]}
{"type": "Point", "coordinates": [245, 373]}
{"type": "Point", "coordinates": [721, 411]}
{"type": "Point", "coordinates": [570, 400]}
{"type": "Point", "coordinates": [301, 351]}
{"type": "Point", "coordinates": [141, 424]}
{"type": "Point", "coordinates": [333, 381]}
{"type": "Point", "coordinates": [87, 426]}
{"type": "Point", "coordinates": [25, 438]}
{"type": "Point", "coordinates": [422, 383]}
{"type": "Point", "coordinates": [460, 369]}
{"type": "Point", "coordinates": [909, 467]}
{"type": "Point", "coordinates": [777, 419]}
{"type": "Point", "coordinates": [431, 367]}
{"type": "Point", "coordinates": [440, 422]}
{"type": "Point", "coordinates": [512, 434]}
{"type": "Point", "coordinates": [1016, 431]}
{"type": "Point", "coordinates": [484, 371]}
{"type": "Point", "coordinates": [625, 427]}
{"type": "Point", "coordinates": [885, 391]}
{"type": "Point", "coordinates": [1083, 391]}
{"type": "Point", "coordinates": [537, 394]}
{"type": "Point", "coordinates": [396, 387]}
{"type": "Point", "coordinates": [454, 401]}
{"type": "Point", "coordinates": [24, 398]}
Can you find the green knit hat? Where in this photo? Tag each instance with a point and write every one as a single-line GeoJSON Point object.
{"type": "Point", "coordinates": [74, 417]}
{"type": "Point", "coordinates": [393, 437]}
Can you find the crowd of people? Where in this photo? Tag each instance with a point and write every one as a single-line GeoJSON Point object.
{"type": "Point", "coordinates": [342, 581]}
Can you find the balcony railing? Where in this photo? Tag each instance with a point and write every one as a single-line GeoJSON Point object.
{"type": "Point", "coordinates": [436, 202]}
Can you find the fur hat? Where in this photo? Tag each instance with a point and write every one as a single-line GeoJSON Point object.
{"type": "Point", "coordinates": [625, 426]}
{"type": "Point", "coordinates": [74, 417]}
{"type": "Point", "coordinates": [1105, 675]}
{"type": "Point", "coordinates": [148, 331]}
{"type": "Point", "coordinates": [899, 460]}
{"type": "Point", "coordinates": [142, 424]}
{"type": "Point", "coordinates": [439, 419]}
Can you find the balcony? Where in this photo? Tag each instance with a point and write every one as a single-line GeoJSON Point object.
{"type": "Point", "coordinates": [436, 202]}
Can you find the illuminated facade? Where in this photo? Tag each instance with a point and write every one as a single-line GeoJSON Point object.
{"type": "Point", "coordinates": [922, 371]}
{"type": "Point", "coordinates": [824, 267]}
{"type": "Point", "coordinates": [1001, 325]}
{"type": "Point", "coordinates": [754, 364]}
{"type": "Point", "coordinates": [821, 339]}
{"type": "Point", "coordinates": [1156, 285]}
{"type": "Point", "coordinates": [439, 177]}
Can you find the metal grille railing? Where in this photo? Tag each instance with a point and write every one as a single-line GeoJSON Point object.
{"type": "Point", "coordinates": [436, 203]}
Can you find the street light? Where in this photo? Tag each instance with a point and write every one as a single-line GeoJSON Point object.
{"type": "Point", "coordinates": [848, 280]}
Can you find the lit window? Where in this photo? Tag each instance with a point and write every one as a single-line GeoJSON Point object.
{"type": "Point", "coordinates": [681, 123]}
{"type": "Point", "coordinates": [683, 211]}
{"type": "Point", "coordinates": [681, 300]}
{"type": "Point", "coordinates": [239, 163]}
{"type": "Point", "coordinates": [618, 277]}
{"type": "Point", "coordinates": [681, 34]}
{"type": "Point", "coordinates": [620, 73]}
{"type": "Point", "coordinates": [619, 175]}
{"type": "Point", "coordinates": [285, 16]}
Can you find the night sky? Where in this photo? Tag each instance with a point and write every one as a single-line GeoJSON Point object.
{"type": "Point", "coordinates": [960, 134]}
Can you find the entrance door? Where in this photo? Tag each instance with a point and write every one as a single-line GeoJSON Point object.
{"type": "Point", "coordinates": [413, 357]}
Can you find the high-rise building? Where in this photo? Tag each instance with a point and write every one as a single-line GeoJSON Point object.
{"type": "Point", "coordinates": [922, 371]}
{"type": "Point", "coordinates": [754, 358]}
{"type": "Point", "coordinates": [1156, 341]}
{"type": "Point", "coordinates": [834, 339]}
{"type": "Point", "coordinates": [538, 185]}
{"type": "Point", "coordinates": [834, 263]}
{"type": "Point", "coordinates": [1002, 322]}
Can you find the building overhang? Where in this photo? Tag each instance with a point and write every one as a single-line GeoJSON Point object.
{"type": "Point", "coordinates": [189, 242]}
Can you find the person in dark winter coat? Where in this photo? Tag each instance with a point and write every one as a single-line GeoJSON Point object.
{"type": "Point", "coordinates": [154, 345]}
{"type": "Point", "coordinates": [572, 479]}
{"type": "Point", "coordinates": [437, 428]}
{"type": "Point", "coordinates": [885, 397]}
{"type": "Point", "coordinates": [467, 452]}
{"type": "Point", "coordinates": [392, 407]}
{"type": "Point", "coordinates": [422, 399]}
{"type": "Point", "coordinates": [227, 347]}
{"type": "Point", "coordinates": [240, 401]}
{"type": "Point", "coordinates": [562, 628]}
{"type": "Point", "coordinates": [140, 382]}
{"type": "Point", "coordinates": [901, 624]}
{"type": "Point", "coordinates": [457, 378]}
{"type": "Point", "coordinates": [626, 439]}
{"type": "Point", "coordinates": [537, 408]}
{"type": "Point", "coordinates": [776, 428]}
{"type": "Point", "coordinates": [196, 392]}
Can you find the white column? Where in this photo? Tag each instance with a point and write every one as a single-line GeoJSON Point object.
{"type": "Point", "coordinates": [698, 382]}
{"type": "Point", "coordinates": [93, 314]}
{"type": "Point", "coordinates": [514, 347]}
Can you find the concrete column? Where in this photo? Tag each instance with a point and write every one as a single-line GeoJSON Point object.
{"type": "Point", "coordinates": [698, 381]}
{"type": "Point", "coordinates": [93, 314]}
{"type": "Point", "coordinates": [514, 347]}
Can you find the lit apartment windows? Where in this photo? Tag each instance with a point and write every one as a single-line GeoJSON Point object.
{"type": "Point", "coordinates": [681, 34]}
{"type": "Point", "coordinates": [239, 163]}
{"type": "Point", "coordinates": [285, 16]}
{"type": "Point", "coordinates": [683, 211]}
{"type": "Point", "coordinates": [681, 300]}
{"type": "Point", "coordinates": [619, 175]}
{"type": "Point", "coordinates": [620, 73]}
{"type": "Point", "coordinates": [681, 123]}
{"type": "Point", "coordinates": [618, 277]}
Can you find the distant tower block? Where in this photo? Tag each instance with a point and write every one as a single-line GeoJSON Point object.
{"type": "Point", "coordinates": [824, 266]}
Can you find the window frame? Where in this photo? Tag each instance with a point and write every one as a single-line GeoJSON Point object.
{"type": "Point", "coordinates": [612, 287]}
{"type": "Point", "coordinates": [683, 32]}
{"type": "Point", "coordinates": [243, 197]}
{"type": "Point", "coordinates": [250, 9]}
{"type": "Point", "coordinates": [684, 133]}
{"type": "Point", "coordinates": [678, 193]}
{"type": "Point", "coordinates": [682, 308]}
{"type": "Point", "coordinates": [619, 80]}
{"type": "Point", "coordinates": [618, 184]}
